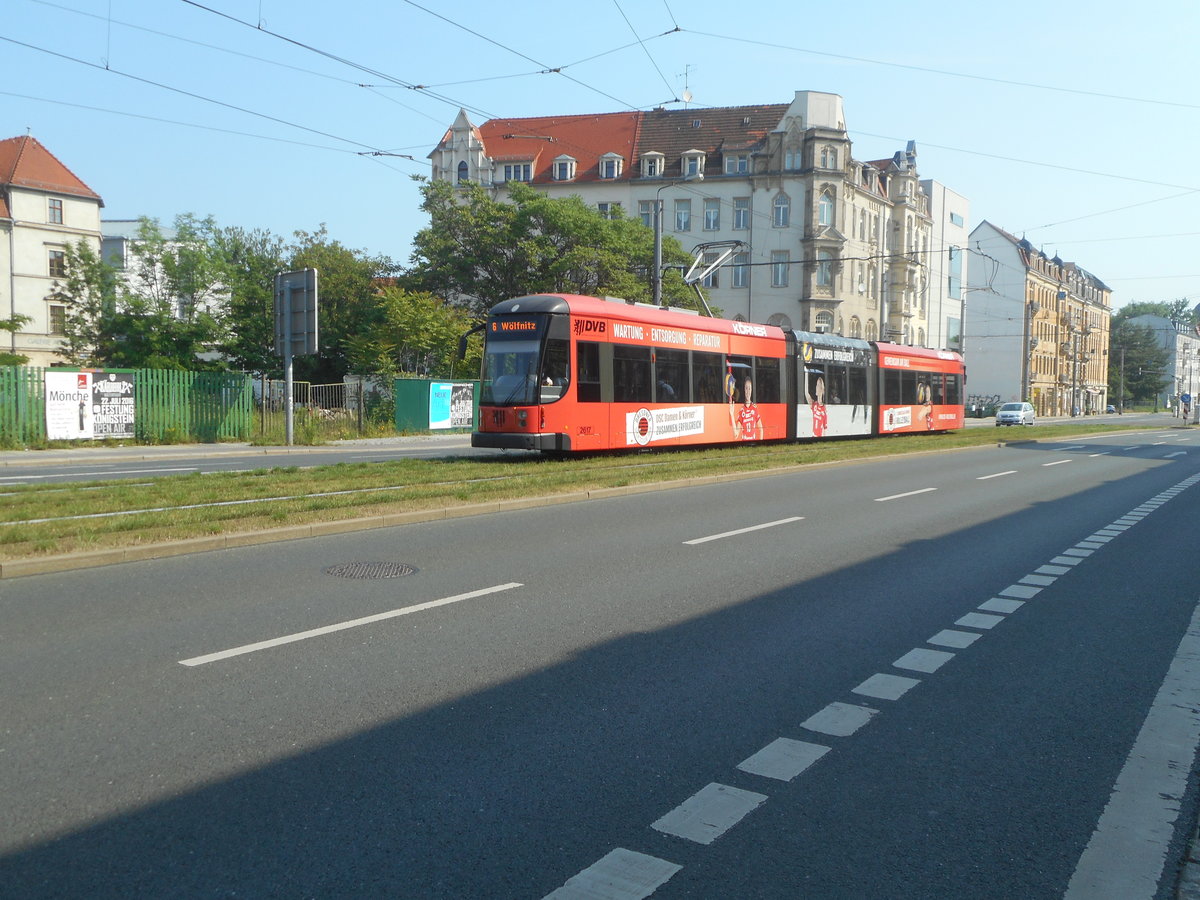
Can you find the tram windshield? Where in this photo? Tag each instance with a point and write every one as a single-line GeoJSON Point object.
{"type": "Point", "coordinates": [520, 368]}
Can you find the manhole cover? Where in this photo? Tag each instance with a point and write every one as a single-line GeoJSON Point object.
{"type": "Point", "coordinates": [370, 570]}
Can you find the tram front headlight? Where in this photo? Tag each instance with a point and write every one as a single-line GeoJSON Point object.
{"type": "Point", "coordinates": [522, 415]}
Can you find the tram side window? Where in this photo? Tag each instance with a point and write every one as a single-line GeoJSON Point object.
{"type": "Point", "coordinates": [556, 370]}
{"type": "Point", "coordinates": [836, 388]}
{"type": "Point", "coordinates": [766, 379]}
{"type": "Point", "coordinates": [740, 368]}
{"type": "Point", "coordinates": [631, 374]}
{"type": "Point", "coordinates": [588, 362]}
{"type": "Point", "coordinates": [708, 373]}
{"type": "Point", "coordinates": [857, 376]}
{"type": "Point", "coordinates": [816, 384]}
{"type": "Point", "coordinates": [954, 389]}
{"type": "Point", "coordinates": [937, 387]}
{"type": "Point", "coordinates": [671, 376]}
{"type": "Point", "coordinates": [899, 387]}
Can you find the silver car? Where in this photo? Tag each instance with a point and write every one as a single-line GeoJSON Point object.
{"type": "Point", "coordinates": [1014, 414]}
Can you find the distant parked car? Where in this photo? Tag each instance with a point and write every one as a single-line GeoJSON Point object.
{"type": "Point", "coordinates": [1110, 408]}
{"type": "Point", "coordinates": [1014, 414]}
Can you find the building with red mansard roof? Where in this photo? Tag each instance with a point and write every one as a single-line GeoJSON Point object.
{"type": "Point", "coordinates": [818, 240]}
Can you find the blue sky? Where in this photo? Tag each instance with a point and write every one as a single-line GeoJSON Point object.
{"type": "Point", "coordinates": [1071, 123]}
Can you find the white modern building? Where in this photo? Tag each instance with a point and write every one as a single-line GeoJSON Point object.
{"type": "Point", "coordinates": [1182, 344]}
{"type": "Point", "coordinates": [946, 263]}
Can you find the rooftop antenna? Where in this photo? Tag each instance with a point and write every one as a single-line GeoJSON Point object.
{"type": "Point", "coordinates": [687, 94]}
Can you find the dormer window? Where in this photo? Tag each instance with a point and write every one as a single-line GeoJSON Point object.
{"type": "Point", "coordinates": [737, 163]}
{"type": "Point", "coordinates": [611, 165]}
{"type": "Point", "coordinates": [521, 171]}
{"type": "Point", "coordinates": [653, 165]}
{"type": "Point", "coordinates": [691, 163]}
{"type": "Point", "coordinates": [564, 168]}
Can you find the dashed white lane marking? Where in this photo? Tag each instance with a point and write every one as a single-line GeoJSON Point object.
{"type": "Point", "coordinates": [1052, 570]}
{"type": "Point", "coordinates": [839, 719]}
{"type": "Point", "coordinates": [1067, 560]}
{"type": "Point", "coordinates": [905, 494]}
{"type": "Point", "coordinates": [1057, 462]}
{"type": "Point", "coordinates": [1094, 455]}
{"type": "Point", "coordinates": [709, 813]}
{"type": "Point", "coordinates": [996, 475]}
{"type": "Point", "coordinates": [726, 534]}
{"type": "Point", "coordinates": [1020, 591]}
{"type": "Point", "coordinates": [948, 637]}
{"type": "Point", "coordinates": [887, 687]}
{"type": "Point", "coordinates": [1039, 580]}
{"type": "Point", "coordinates": [1001, 605]}
{"type": "Point", "coordinates": [922, 660]}
{"type": "Point", "coordinates": [342, 626]}
{"type": "Point", "coordinates": [1125, 857]}
{"type": "Point", "coordinates": [621, 875]}
{"type": "Point", "coordinates": [1175, 454]}
{"type": "Point", "coordinates": [783, 759]}
{"type": "Point", "coordinates": [979, 620]}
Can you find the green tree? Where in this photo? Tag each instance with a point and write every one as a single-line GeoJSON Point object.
{"type": "Point", "coordinates": [348, 282]}
{"type": "Point", "coordinates": [164, 310]}
{"type": "Point", "coordinates": [478, 250]}
{"type": "Point", "coordinates": [251, 260]}
{"type": "Point", "coordinates": [1136, 357]}
{"type": "Point", "coordinates": [12, 326]}
{"type": "Point", "coordinates": [417, 334]}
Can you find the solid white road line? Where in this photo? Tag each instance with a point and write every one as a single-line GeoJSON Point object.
{"type": "Point", "coordinates": [717, 537]}
{"type": "Point", "coordinates": [342, 626]}
{"type": "Point", "coordinates": [1125, 857]}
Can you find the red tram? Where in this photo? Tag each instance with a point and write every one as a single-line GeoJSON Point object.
{"type": "Point", "coordinates": [565, 373]}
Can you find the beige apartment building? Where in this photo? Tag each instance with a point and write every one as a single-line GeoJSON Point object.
{"type": "Point", "coordinates": [1037, 327]}
{"type": "Point", "coordinates": [819, 240]}
{"type": "Point", "coordinates": [44, 208]}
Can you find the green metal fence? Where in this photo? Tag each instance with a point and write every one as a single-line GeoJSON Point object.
{"type": "Point", "coordinates": [169, 405]}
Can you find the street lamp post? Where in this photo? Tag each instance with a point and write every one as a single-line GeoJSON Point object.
{"type": "Point", "coordinates": [656, 275]}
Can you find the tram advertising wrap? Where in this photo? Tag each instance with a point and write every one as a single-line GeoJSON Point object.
{"type": "Point", "coordinates": [565, 373]}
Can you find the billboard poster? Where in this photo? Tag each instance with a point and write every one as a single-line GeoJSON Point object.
{"type": "Point", "coordinates": [451, 405]}
{"type": "Point", "coordinates": [88, 405]}
{"type": "Point", "coordinates": [112, 405]}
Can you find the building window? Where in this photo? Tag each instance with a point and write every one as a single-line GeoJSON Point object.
{"type": "Point", "coordinates": [462, 173]}
{"type": "Point", "coordinates": [855, 327]}
{"type": "Point", "coordinates": [564, 169]}
{"type": "Point", "coordinates": [741, 213]}
{"type": "Point", "coordinates": [829, 158]}
{"type": "Point", "coordinates": [58, 319]}
{"type": "Point", "coordinates": [824, 269]}
{"type": "Point", "coordinates": [518, 171]}
{"type": "Point", "coordinates": [712, 214]}
{"type": "Point", "coordinates": [956, 219]}
{"type": "Point", "coordinates": [54, 212]}
{"type": "Point", "coordinates": [781, 211]}
{"type": "Point", "coordinates": [609, 210]}
{"type": "Point", "coordinates": [646, 212]}
{"type": "Point", "coordinates": [823, 322]}
{"type": "Point", "coordinates": [683, 215]}
{"type": "Point", "coordinates": [712, 279]}
{"type": "Point", "coordinates": [652, 165]}
{"type": "Point", "coordinates": [825, 208]}
{"type": "Point", "coordinates": [780, 260]}
{"type": "Point", "coordinates": [793, 160]}
{"type": "Point", "coordinates": [610, 166]}
{"type": "Point", "coordinates": [739, 272]}
{"type": "Point", "coordinates": [737, 164]}
{"type": "Point", "coordinates": [954, 278]}
{"type": "Point", "coordinates": [692, 164]}
{"type": "Point", "coordinates": [58, 264]}
{"type": "Point", "coordinates": [872, 331]}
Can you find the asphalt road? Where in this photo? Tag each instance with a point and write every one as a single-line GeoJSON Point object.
{"type": "Point", "coordinates": [957, 675]}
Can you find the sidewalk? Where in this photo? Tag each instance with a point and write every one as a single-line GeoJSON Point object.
{"type": "Point", "coordinates": [86, 452]}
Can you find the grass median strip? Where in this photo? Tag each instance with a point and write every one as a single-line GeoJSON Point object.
{"type": "Point", "coordinates": [48, 520]}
